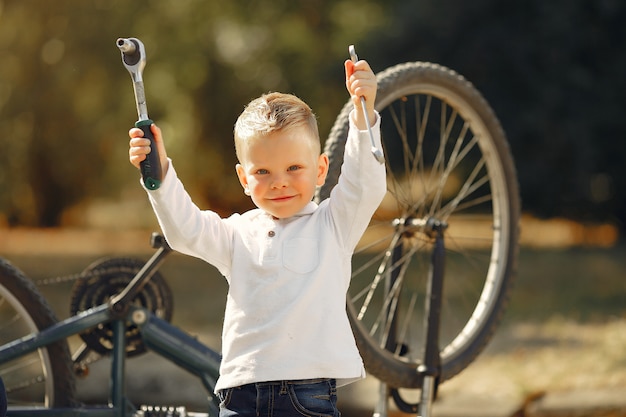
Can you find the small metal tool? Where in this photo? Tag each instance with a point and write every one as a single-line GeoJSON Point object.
{"type": "Point", "coordinates": [134, 59]}
{"type": "Point", "coordinates": [378, 154]}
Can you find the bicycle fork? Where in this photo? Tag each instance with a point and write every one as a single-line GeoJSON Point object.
{"type": "Point", "coordinates": [430, 368]}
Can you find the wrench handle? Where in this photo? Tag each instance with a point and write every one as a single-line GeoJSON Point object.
{"type": "Point", "coordinates": [151, 166]}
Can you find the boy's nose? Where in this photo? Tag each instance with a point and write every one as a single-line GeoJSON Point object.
{"type": "Point", "coordinates": [279, 181]}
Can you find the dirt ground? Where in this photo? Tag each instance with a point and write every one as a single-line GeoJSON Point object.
{"type": "Point", "coordinates": [526, 361]}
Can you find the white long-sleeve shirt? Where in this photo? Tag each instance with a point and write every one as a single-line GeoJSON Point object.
{"type": "Point", "coordinates": [285, 315]}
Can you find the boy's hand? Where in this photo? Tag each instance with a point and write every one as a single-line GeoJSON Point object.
{"type": "Point", "coordinates": [140, 147]}
{"type": "Point", "coordinates": [361, 82]}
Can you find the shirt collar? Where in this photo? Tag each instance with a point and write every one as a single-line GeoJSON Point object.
{"type": "Point", "coordinates": [306, 210]}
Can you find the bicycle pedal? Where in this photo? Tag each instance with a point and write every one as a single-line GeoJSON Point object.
{"type": "Point", "coordinates": [161, 411]}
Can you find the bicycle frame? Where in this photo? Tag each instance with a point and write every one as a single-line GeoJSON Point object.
{"type": "Point", "coordinates": [159, 336]}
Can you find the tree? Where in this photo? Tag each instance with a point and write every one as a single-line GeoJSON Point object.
{"type": "Point", "coordinates": [66, 101]}
{"type": "Point", "coordinates": [553, 72]}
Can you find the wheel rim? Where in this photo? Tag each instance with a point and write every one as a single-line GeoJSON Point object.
{"type": "Point", "coordinates": [26, 379]}
{"type": "Point", "coordinates": [461, 184]}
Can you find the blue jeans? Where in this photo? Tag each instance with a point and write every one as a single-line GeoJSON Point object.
{"type": "Point", "coordinates": [307, 397]}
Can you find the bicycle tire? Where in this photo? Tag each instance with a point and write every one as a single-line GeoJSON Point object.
{"type": "Point", "coordinates": [443, 145]}
{"type": "Point", "coordinates": [42, 378]}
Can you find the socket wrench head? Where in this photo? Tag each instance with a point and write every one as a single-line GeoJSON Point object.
{"type": "Point", "coordinates": [134, 59]}
{"type": "Point", "coordinates": [133, 56]}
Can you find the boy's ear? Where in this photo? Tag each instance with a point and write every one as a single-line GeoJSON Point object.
{"type": "Point", "coordinates": [243, 179]}
{"type": "Point", "coordinates": [322, 169]}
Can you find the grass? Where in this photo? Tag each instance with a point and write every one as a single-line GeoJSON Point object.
{"type": "Point", "coordinates": [581, 284]}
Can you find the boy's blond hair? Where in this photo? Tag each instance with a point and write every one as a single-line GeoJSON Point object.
{"type": "Point", "coordinates": [270, 113]}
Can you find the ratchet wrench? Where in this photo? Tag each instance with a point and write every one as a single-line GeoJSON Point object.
{"type": "Point", "coordinates": [378, 154]}
{"type": "Point", "coordinates": [134, 59]}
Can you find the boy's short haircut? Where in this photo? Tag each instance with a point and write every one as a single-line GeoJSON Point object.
{"type": "Point", "coordinates": [270, 113]}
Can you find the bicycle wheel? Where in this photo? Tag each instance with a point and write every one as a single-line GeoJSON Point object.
{"type": "Point", "coordinates": [44, 377]}
{"type": "Point", "coordinates": [447, 160]}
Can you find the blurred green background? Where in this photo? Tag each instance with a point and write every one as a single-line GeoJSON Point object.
{"type": "Point", "coordinates": [553, 71]}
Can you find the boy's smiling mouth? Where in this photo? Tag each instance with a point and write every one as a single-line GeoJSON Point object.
{"type": "Point", "coordinates": [282, 198]}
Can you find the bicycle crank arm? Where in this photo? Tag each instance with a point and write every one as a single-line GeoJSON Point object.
{"type": "Point", "coordinates": [134, 59]}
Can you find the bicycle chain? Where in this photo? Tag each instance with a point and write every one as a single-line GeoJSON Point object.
{"type": "Point", "coordinates": [166, 411]}
{"type": "Point", "coordinates": [67, 278]}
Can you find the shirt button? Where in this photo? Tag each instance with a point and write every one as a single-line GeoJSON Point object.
{"type": "Point", "coordinates": [271, 233]}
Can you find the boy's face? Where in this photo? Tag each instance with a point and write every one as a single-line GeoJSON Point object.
{"type": "Point", "coordinates": [280, 171]}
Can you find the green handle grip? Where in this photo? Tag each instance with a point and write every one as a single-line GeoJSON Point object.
{"type": "Point", "coordinates": [151, 166]}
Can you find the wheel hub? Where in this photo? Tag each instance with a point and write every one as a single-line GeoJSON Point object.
{"type": "Point", "coordinates": [410, 226]}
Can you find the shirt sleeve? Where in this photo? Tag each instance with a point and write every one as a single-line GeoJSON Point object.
{"type": "Point", "coordinates": [187, 229]}
{"type": "Point", "coordinates": [361, 185]}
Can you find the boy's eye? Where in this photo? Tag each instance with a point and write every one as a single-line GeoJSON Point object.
{"type": "Point", "coordinates": [293, 168]}
{"type": "Point", "coordinates": [262, 171]}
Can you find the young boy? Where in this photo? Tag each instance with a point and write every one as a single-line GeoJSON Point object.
{"type": "Point", "coordinates": [287, 342]}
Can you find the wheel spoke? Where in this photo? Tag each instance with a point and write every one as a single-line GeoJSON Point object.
{"type": "Point", "coordinates": [33, 378]}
